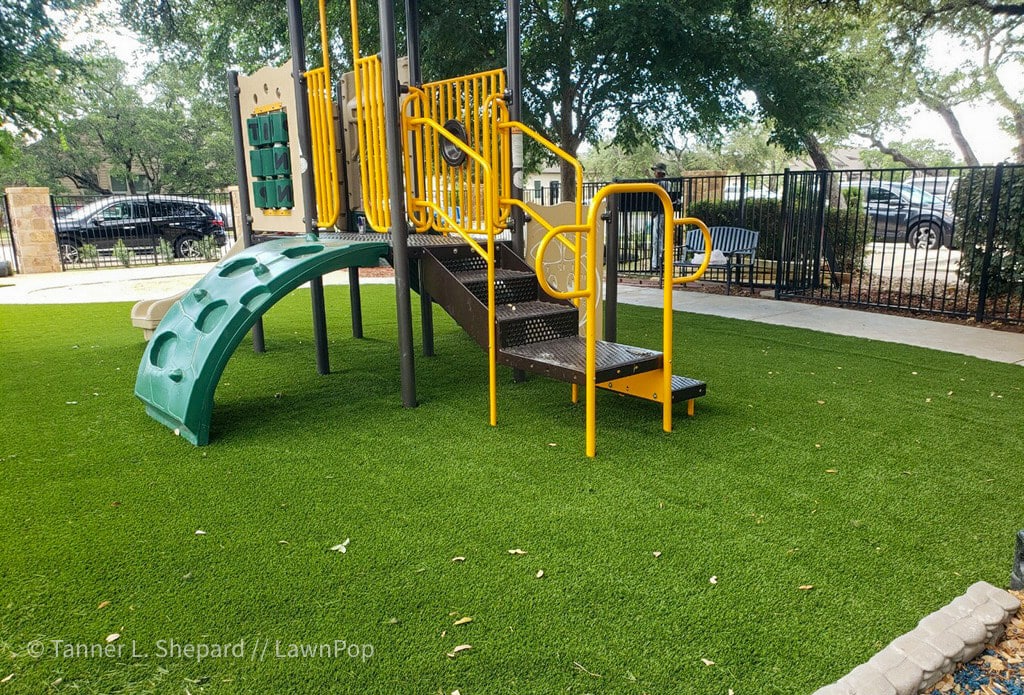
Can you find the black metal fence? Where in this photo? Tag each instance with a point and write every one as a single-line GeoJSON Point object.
{"type": "Point", "coordinates": [8, 252]}
{"type": "Point", "coordinates": [943, 241]}
{"type": "Point", "coordinates": [125, 230]}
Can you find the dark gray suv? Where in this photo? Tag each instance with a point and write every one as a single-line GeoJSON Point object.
{"type": "Point", "coordinates": [140, 222]}
{"type": "Point", "coordinates": [900, 212]}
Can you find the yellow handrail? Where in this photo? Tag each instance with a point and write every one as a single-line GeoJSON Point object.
{"type": "Point", "coordinates": [322, 134]}
{"type": "Point", "coordinates": [488, 255]}
{"type": "Point", "coordinates": [589, 292]}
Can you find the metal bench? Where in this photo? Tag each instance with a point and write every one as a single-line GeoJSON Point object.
{"type": "Point", "coordinates": [739, 246]}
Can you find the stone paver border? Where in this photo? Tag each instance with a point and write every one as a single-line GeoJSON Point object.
{"type": "Point", "coordinates": [952, 635]}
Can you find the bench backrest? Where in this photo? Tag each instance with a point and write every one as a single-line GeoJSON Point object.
{"type": "Point", "coordinates": [726, 239]}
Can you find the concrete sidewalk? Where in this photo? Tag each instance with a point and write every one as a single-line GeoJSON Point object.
{"type": "Point", "coordinates": [988, 344]}
{"type": "Point", "coordinates": [152, 282]}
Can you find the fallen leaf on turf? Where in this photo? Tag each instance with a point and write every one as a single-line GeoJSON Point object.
{"type": "Point", "coordinates": [806, 587]}
{"type": "Point", "coordinates": [708, 662]}
{"type": "Point", "coordinates": [458, 558]}
{"type": "Point", "coordinates": [200, 532]}
{"type": "Point", "coordinates": [821, 402]}
{"type": "Point", "coordinates": [463, 621]}
{"type": "Point", "coordinates": [517, 551]}
{"type": "Point", "coordinates": [7, 679]}
{"type": "Point", "coordinates": [113, 637]}
{"type": "Point", "coordinates": [589, 673]}
{"type": "Point", "coordinates": [341, 547]}
{"type": "Point", "coordinates": [282, 542]}
{"type": "Point", "coordinates": [103, 604]}
{"type": "Point", "coordinates": [831, 470]}
{"type": "Point", "coordinates": [458, 650]}
{"type": "Point", "coordinates": [656, 553]}
{"type": "Point", "coordinates": [552, 444]}
{"type": "Point", "coordinates": [713, 580]}
{"type": "Point", "coordinates": [540, 573]}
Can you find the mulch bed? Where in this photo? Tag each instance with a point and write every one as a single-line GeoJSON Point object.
{"type": "Point", "coordinates": [999, 670]}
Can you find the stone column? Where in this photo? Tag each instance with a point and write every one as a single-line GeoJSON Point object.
{"type": "Point", "coordinates": [236, 211]}
{"type": "Point", "coordinates": [32, 230]}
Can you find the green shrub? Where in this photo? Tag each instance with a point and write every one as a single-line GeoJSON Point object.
{"type": "Point", "coordinates": [209, 248]}
{"type": "Point", "coordinates": [165, 251]}
{"type": "Point", "coordinates": [972, 208]}
{"type": "Point", "coordinates": [90, 254]}
{"type": "Point", "coordinates": [122, 253]}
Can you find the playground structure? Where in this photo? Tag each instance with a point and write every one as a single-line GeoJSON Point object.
{"type": "Point", "coordinates": [439, 177]}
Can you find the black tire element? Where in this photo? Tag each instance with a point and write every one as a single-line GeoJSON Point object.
{"type": "Point", "coordinates": [69, 251]}
{"type": "Point", "coordinates": [188, 246]}
{"type": "Point", "coordinates": [452, 154]}
{"type": "Point", "coordinates": [925, 235]}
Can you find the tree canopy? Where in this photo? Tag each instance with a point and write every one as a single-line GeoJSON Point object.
{"type": "Point", "coordinates": [175, 141]}
{"type": "Point", "coordinates": [35, 68]}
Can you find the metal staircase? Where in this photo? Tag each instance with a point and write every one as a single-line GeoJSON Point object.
{"type": "Point", "coordinates": [539, 333]}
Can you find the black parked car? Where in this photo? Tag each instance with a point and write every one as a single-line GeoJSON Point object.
{"type": "Point", "coordinates": [141, 222]}
{"type": "Point", "coordinates": [905, 212]}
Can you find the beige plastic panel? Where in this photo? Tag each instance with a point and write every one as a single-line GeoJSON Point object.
{"type": "Point", "coordinates": [267, 87]}
{"type": "Point", "coordinates": [558, 260]}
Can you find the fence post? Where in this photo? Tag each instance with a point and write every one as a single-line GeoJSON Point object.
{"type": "Point", "coordinates": [32, 229]}
{"type": "Point", "coordinates": [6, 227]}
{"type": "Point", "coordinates": [819, 225]}
{"type": "Point", "coordinates": [743, 200]}
{"type": "Point", "coordinates": [611, 250]}
{"type": "Point", "coordinates": [787, 186]}
{"type": "Point", "coordinates": [986, 259]}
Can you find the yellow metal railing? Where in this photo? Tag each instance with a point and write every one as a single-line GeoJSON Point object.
{"type": "Point", "coordinates": [589, 289]}
{"type": "Point", "coordinates": [462, 189]}
{"type": "Point", "coordinates": [373, 167]}
{"type": "Point", "coordinates": [322, 134]}
{"type": "Point", "coordinates": [454, 225]}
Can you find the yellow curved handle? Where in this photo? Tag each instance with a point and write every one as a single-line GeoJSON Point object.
{"type": "Point", "coordinates": [706, 233]}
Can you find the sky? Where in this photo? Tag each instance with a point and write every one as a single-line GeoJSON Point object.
{"type": "Point", "coordinates": [979, 121]}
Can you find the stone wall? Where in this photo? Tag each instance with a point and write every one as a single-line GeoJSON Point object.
{"type": "Point", "coordinates": [31, 219]}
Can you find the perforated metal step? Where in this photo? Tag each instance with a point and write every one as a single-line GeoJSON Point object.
{"type": "Point", "coordinates": [510, 286]}
{"type": "Point", "coordinates": [565, 359]}
{"type": "Point", "coordinates": [534, 322]}
{"type": "Point", "coordinates": [684, 388]}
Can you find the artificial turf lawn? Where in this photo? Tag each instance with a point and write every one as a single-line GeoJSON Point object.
{"type": "Point", "coordinates": [886, 477]}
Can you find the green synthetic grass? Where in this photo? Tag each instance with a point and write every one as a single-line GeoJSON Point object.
{"type": "Point", "coordinates": [886, 477]}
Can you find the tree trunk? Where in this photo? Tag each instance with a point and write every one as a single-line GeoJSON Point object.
{"type": "Point", "coordinates": [953, 123]}
{"type": "Point", "coordinates": [817, 154]}
{"type": "Point", "coordinates": [894, 153]}
{"type": "Point", "coordinates": [1016, 111]}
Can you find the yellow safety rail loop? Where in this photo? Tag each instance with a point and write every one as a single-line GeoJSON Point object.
{"type": "Point", "coordinates": [589, 291]}
{"type": "Point", "coordinates": [322, 134]}
{"type": "Point", "coordinates": [488, 254]}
